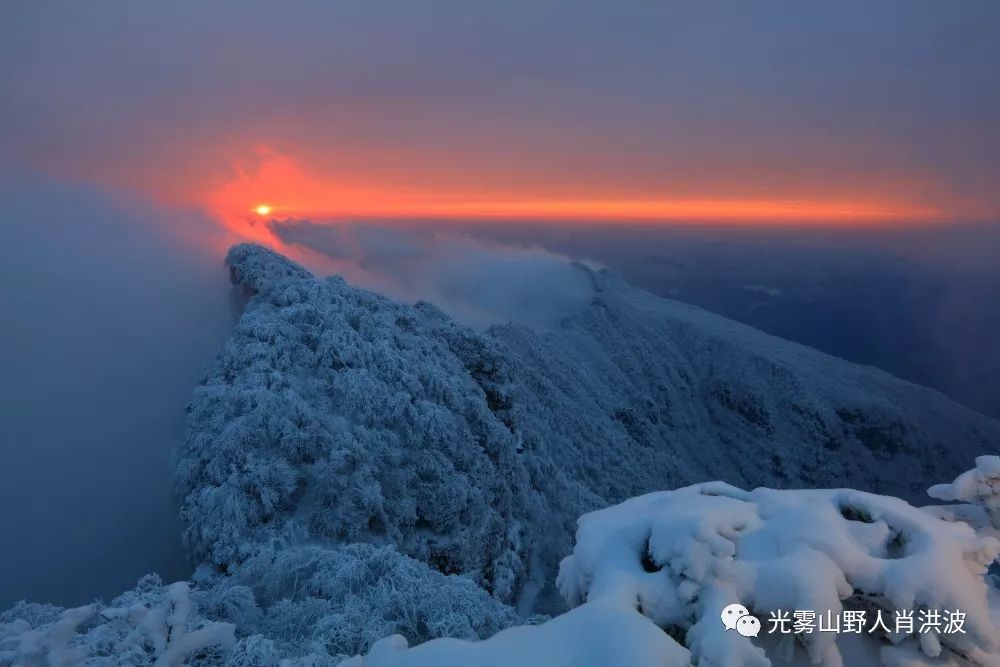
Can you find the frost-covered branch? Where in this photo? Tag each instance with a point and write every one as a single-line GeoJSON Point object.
{"type": "Point", "coordinates": [980, 487]}
{"type": "Point", "coordinates": [151, 625]}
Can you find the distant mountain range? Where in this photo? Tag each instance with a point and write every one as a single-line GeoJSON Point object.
{"type": "Point", "coordinates": [922, 303]}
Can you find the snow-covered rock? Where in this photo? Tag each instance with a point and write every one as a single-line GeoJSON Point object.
{"type": "Point", "coordinates": [679, 560]}
{"type": "Point", "coordinates": [682, 557]}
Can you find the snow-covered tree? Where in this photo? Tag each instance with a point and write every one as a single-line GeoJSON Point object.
{"type": "Point", "coordinates": [356, 469]}
{"type": "Point", "coordinates": [648, 581]}
{"type": "Point", "coordinates": [330, 603]}
{"type": "Point", "coordinates": [594, 635]}
{"type": "Point", "coordinates": [337, 416]}
{"type": "Point", "coordinates": [980, 488]}
{"type": "Point", "coordinates": [308, 604]}
{"type": "Point", "coordinates": [150, 625]}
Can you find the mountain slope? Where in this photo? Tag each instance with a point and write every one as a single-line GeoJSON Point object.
{"type": "Point", "coordinates": [334, 416]}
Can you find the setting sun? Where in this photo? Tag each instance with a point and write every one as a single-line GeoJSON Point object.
{"type": "Point", "coordinates": [263, 209]}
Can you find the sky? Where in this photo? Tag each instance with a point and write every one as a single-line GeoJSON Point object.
{"type": "Point", "coordinates": [843, 112]}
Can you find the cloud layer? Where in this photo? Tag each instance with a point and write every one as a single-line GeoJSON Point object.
{"type": "Point", "coordinates": [108, 323]}
{"type": "Point", "coordinates": [476, 281]}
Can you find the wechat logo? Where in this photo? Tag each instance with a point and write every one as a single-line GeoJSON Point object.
{"type": "Point", "coordinates": [737, 617]}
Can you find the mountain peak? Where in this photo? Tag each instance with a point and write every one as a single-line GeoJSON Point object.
{"type": "Point", "coordinates": [253, 266]}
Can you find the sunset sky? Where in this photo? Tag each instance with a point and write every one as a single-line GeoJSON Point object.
{"type": "Point", "coordinates": [840, 112]}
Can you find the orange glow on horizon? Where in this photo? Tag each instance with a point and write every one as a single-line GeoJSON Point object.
{"type": "Point", "coordinates": [777, 211]}
{"type": "Point", "coordinates": [296, 193]}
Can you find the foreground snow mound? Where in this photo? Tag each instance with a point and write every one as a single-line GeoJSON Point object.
{"type": "Point", "coordinates": [151, 625]}
{"type": "Point", "coordinates": [335, 416]}
{"type": "Point", "coordinates": [681, 557]}
{"type": "Point", "coordinates": [310, 605]}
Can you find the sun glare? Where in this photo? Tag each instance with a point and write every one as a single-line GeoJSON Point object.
{"type": "Point", "coordinates": [263, 209]}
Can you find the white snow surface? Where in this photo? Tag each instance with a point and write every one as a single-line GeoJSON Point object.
{"type": "Point", "coordinates": [679, 558]}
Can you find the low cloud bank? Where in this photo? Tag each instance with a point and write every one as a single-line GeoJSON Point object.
{"type": "Point", "coordinates": [113, 309]}
{"type": "Point", "coordinates": [110, 315]}
{"type": "Point", "coordinates": [478, 282]}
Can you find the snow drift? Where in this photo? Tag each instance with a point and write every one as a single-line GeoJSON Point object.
{"type": "Point", "coordinates": [979, 490]}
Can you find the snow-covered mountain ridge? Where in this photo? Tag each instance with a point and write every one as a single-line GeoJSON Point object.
{"type": "Point", "coordinates": [336, 415]}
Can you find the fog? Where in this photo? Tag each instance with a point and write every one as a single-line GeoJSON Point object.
{"type": "Point", "coordinates": [478, 282]}
{"type": "Point", "coordinates": [110, 315]}
{"type": "Point", "coordinates": [112, 311]}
